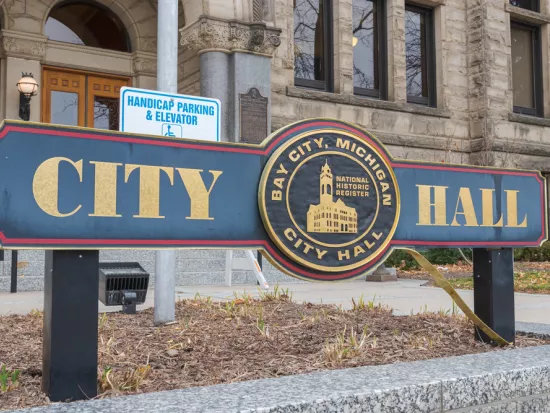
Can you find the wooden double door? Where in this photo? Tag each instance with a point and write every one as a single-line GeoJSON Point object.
{"type": "Point", "coordinates": [81, 99]}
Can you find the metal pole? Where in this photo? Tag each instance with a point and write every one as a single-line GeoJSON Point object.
{"type": "Point", "coordinates": [167, 81]}
{"type": "Point", "coordinates": [13, 271]}
{"type": "Point", "coordinates": [260, 260]}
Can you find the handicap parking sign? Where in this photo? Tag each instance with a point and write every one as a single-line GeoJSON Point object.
{"type": "Point", "coordinates": [171, 130]}
{"type": "Point", "coordinates": [169, 115]}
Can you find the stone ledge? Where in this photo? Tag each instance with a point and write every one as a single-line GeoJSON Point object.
{"type": "Point", "coordinates": [530, 120]}
{"type": "Point", "coordinates": [506, 380]}
{"type": "Point", "coordinates": [22, 45]}
{"type": "Point", "coordinates": [214, 34]}
{"type": "Point", "coordinates": [303, 93]}
{"type": "Point", "coordinates": [528, 16]}
{"type": "Point", "coordinates": [514, 147]}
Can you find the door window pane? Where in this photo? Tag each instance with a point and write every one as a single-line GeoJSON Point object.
{"type": "Point", "coordinates": [522, 67]}
{"type": "Point", "coordinates": [309, 40]}
{"type": "Point", "coordinates": [106, 113]}
{"type": "Point", "coordinates": [365, 45]}
{"type": "Point", "coordinates": [416, 60]}
{"type": "Point", "coordinates": [64, 108]}
{"type": "Point", "coordinates": [55, 30]}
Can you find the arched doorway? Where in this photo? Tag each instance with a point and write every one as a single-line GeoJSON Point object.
{"type": "Point", "coordinates": [87, 24]}
{"type": "Point", "coordinates": [80, 98]}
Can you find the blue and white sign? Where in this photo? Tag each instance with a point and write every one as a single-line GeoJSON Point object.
{"type": "Point", "coordinates": [171, 115]}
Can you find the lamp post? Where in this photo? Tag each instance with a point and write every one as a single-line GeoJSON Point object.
{"type": "Point", "coordinates": [27, 87]}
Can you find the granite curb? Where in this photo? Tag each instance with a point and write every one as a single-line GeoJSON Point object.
{"type": "Point", "coordinates": [500, 381]}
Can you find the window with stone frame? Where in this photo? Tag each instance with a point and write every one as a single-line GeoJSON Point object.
{"type": "Point", "coordinates": [313, 44]}
{"type": "Point", "coordinates": [533, 5]}
{"type": "Point", "coordinates": [420, 55]}
{"type": "Point", "coordinates": [369, 48]}
{"type": "Point", "coordinates": [526, 69]}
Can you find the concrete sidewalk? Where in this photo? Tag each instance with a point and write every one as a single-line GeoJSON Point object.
{"type": "Point", "coordinates": [404, 296]}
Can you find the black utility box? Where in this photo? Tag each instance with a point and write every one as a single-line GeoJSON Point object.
{"type": "Point", "coordinates": [117, 279]}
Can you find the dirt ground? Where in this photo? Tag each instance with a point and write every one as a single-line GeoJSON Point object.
{"type": "Point", "coordinates": [529, 277]}
{"type": "Point", "coordinates": [245, 339]}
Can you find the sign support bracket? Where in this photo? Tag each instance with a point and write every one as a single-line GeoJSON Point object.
{"type": "Point", "coordinates": [249, 263]}
{"type": "Point", "coordinates": [494, 291]}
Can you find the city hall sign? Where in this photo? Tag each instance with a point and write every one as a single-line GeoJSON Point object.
{"type": "Point", "coordinates": [323, 199]}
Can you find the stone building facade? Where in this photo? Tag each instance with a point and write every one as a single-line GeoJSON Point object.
{"type": "Point", "coordinates": [455, 81]}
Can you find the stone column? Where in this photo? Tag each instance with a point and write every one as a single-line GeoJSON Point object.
{"type": "Point", "coordinates": [397, 72]}
{"type": "Point", "coordinates": [214, 83]}
{"type": "Point", "coordinates": [21, 52]}
{"type": "Point", "coordinates": [234, 57]}
{"type": "Point", "coordinates": [144, 65]}
{"type": "Point", "coordinates": [489, 80]}
{"type": "Point", "coordinates": [248, 71]}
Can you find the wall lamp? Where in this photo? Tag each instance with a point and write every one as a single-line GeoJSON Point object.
{"type": "Point", "coordinates": [27, 87]}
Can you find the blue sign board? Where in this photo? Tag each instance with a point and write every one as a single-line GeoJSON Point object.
{"type": "Point", "coordinates": [321, 198]}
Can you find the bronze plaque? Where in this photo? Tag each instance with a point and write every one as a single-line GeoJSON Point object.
{"type": "Point", "coordinates": [253, 110]}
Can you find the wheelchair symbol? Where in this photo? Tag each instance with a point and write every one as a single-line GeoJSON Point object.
{"type": "Point", "coordinates": [172, 130]}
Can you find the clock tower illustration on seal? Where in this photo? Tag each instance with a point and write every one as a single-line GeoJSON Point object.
{"type": "Point", "coordinates": [329, 215]}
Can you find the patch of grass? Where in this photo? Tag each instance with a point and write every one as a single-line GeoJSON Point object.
{"type": "Point", "coordinates": [244, 298]}
{"type": "Point", "coordinates": [9, 379]}
{"type": "Point", "coordinates": [347, 346]}
{"type": "Point", "coordinates": [199, 300]}
{"type": "Point", "coordinates": [128, 380]}
{"type": "Point", "coordinates": [278, 294]}
{"type": "Point", "coordinates": [362, 305]}
{"type": "Point", "coordinates": [530, 281]}
{"type": "Point", "coordinates": [466, 283]}
{"type": "Point", "coordinates": [36, 313]}
{"type": "Point", "coordinates": [238, 307]}
{"type": "Point", "coordinates": [229, 308]}
{"type": "Point", "coordinates": [453, 312]}
{"type": "Point", "coordinates": [261, 325]}
{"type": "Point", "coordinates": [103, 320]}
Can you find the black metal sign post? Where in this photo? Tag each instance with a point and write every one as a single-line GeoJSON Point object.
{"type": "Point", "coordinates": [69, 365]}
{"type": "Point", "coordinates": [494, 291]}
{"type": "Point", "coordinates": [13, 287]}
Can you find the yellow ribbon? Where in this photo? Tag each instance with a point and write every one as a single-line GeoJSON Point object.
{"type": "Point", "coordinates": [442, 282]}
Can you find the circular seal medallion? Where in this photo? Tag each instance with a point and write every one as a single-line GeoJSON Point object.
{"type": "Point", "coordinates": [329, 199]}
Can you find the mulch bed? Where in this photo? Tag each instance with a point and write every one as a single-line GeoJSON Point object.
{"type": "Point", "coordinates": [530, 277]}
{"type": "Point", "coordinates": [245, 339]}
